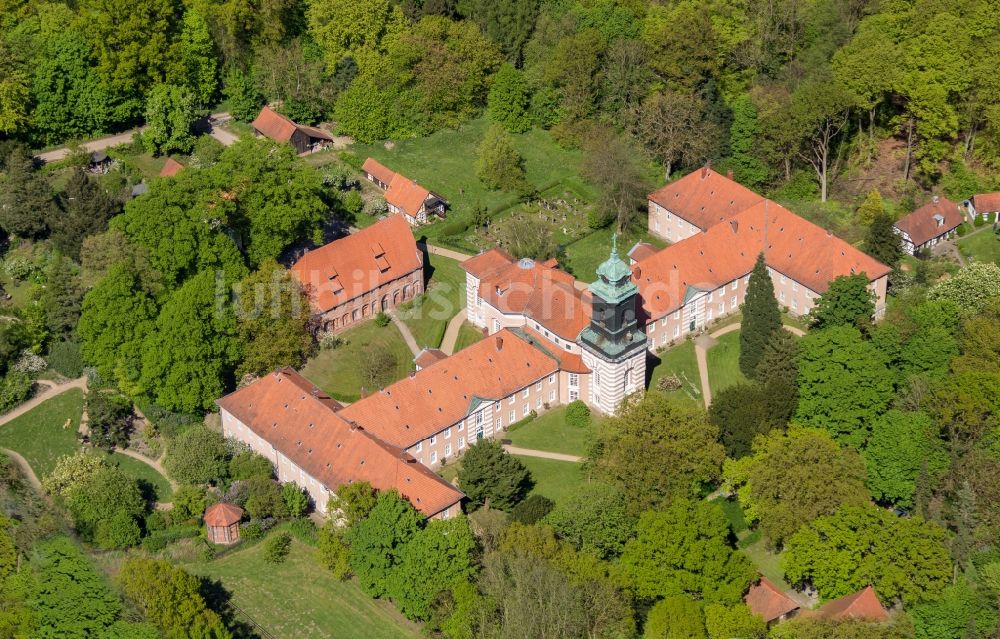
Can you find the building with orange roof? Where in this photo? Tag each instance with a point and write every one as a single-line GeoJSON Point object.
{"type": "Point", "coordinates": [768, 601]}
{"type": "Point", "coordinates": [695, 203]}
{"type": "Point", "coordinates": [933, 222]}
{"type": "Point", "coordinates": [983, 205]}
{"type": "Point", "coordinates": [313, 443]}
{"type": "Point", "coordinates": [862, 605]}
{"type": "Point", "coordinates": [306, 139]}
{"type": "Point", "coordinates": [171, 168]}
{"type": "Point", "coordinates": [354, 278]}
{"type": "Point", "coordinates": [222, 523]}
{"type": "Point", "coordinates": [403, 195]}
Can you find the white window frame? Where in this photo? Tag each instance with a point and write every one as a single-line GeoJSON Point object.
{"type": "Point", "coordinates": [512, 417]}
{"type": "Point", "coordinates": [525, 409]}
{"type": "Point", "coordinates": [418, 447]}
{"type": "Point", "coordinates": [574, 380]}
{"type": "Point", "coordinates": [447, 433]}
{"type": "Point", "coordinates": [433, 440]}
{"type": "Point", "coordinates": [434, 456]}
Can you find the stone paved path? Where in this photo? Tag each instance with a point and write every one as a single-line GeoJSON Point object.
{"type": "Point", "coordinates": [544, 454]}
{"type": "Point", "coordinates": [451, 333]}
{"type": "Point", "coordinates": [405, 332]}
{"type": "Point", "coordinates": [444, 252]}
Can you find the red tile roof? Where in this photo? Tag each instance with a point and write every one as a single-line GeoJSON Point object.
{"type": "Point", "coordinates": [444, 393]}
{"type": "Point", "coordinates": [171, 168]}
{"type": "Point", "coordinates": [767, 600]}
{"type": "Point", "coordinates": [795, 247]}
{"type": "Point", "coordinates": [301, 422]}
{"type": "Point", "coordinates": [705, 198]}
{"type": "Point", "coordinates": [222, 514]}
{"type": "Point", "coordinates": [406, 195]}
{"type": "Point", "coordinates": [429, 356]}
{"type": "Point", "coordinates": [358, 263]}
{"type": "Point", "coordinates": [280, 128]}
{"type": "Point", "coordinates": [569, 362]}
{"type": "Point", "coordinates": [641, 250]}
{"type": "Point", "coordinates": [863, 604]}
{"type": "Point", "coordinates": [922, 226]}
{"type": "Point", "coordinates": [545, 294]}
{"type": "Point", "coordinates": [986, 202]}
{"type": "Point", "coordinates": [488, 263]}
{"type": "Point", "coordinates": [377, 170]}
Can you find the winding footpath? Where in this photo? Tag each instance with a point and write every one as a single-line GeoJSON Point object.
{"type": "Point", "coordinates": [451, 333]}
{"type": "Point", "coordinates": [704, 342]}
{"type": "Point", "coordinates": [404, 330]}
{"type": "Point", "coordinates": [42, 397]}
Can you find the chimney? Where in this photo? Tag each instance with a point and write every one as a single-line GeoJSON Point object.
{"type": "Point", "coordinates": [413, 374]}
{"type": "Point", "coordinates": [704, 172]}
{"type": "Point", "coordinates": [829, 233]}
{"type": "Point", "coordinates": [637, 272]}
{"type": "Point", "coordinates": [499, 343]}
{"type": "Point", "coordinates": [935, 199]}
{"type": "Point", "coordinates": [729, 174]}
{"type": "Point", "coordinates": [735, 225]}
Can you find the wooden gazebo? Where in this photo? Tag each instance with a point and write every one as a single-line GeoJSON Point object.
{"type": "Point", "coordinates": [222, 523]}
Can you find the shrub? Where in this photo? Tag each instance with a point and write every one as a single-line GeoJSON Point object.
{"type": "Point", "coordinates": [250, 465]}
{"type": "Point", "coordinates": [296, 499]}
{"type": "Point", "coordinates": [578, 414]}
{"type": "Point", "coordinates": [29, 363]}
{"type": "Point", "coordinates": [304, 530]}
{"type": "Point", "coordinates": [197, 456]}
{"type": "Point", "coordinates": [963, 229]}
{"type": "Point", "coordinates": [329, 341]}
{"type": "Point", "coordinates": [251, 531]}
{"type": "Point", "coordinates": [353, 202]}
{"type": "Point", "coordinates": [19, 268]}
{"type": "Point", "coordinates": [668, 383]}
{"type": "Point", "coordinates": [189, 503]}
{"type": "Point", "coordinates": [65, 359]}
{"type": "Point", "coordinates": [532, 509]}
{"type": "Point", "coordinates": [265, 499]}
{"type": "Point", "coordinates": [277, 547]}
{"type": "Point", "coordinates": [15, 388]}
{"type": "Point", "coordinates": [382, 320]}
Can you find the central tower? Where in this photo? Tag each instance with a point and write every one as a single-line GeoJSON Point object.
{"type": "Point", "coordinates": [614, 347]}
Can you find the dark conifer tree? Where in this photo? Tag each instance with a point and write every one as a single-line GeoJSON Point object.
{"type": "Point", "coordinates": [761, 318]}
{"type": "Point", "coordinates": [25, 198]}
{"type": "Point", "coordinates": [882, 243]}
{"type": "Point", "coordinates": [84, 210]}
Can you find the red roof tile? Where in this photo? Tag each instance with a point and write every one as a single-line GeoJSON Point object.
{"type": "Point", "coordinates": [377, 170]}
{"type": "Point", "coordinates": [487, 263]}
{"type": "Point", "coordinates": [171, 168]}
{"type": "Point", "coordinates": [358, 263]}
{"type": "Point", "coordinates": [923, 225]}
{"type": "Point", "coordinates": [986, 202]}
{"type": "Point", "coordinates": [444, 393]}
{"type": "Point", "coordinates": [281, 128]}
{"type": "Point", "coordinates": [863, 604]}
{"type": "Point", "coordinates": [705, 198]}
{"type": "Point", "coordinates": [429, 356]}
{"type": "Point", "coordinates": [545, 294]}
{"type": "Point", "coordinates": [795, 247]}
{"type": "Point", "coordinates": [569, 362]}
{"type": "Point", "coordinates": [222, 514]}
{"type": "Point", "coordinates": [301, 422]}
{"type": "Point", "coordinates": [406, 195]}
{"type": "Point", "coordinates": [641, 250]}
{"type": "Point", "coordinates": [767, 600]}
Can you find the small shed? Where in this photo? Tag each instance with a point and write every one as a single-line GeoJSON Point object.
{"type": "Point", "coordinates": [99, 162]}
{"type": "Point", "coordinates": [222, 523]}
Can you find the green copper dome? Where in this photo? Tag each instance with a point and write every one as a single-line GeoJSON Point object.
{"type": "Point", "coordinates": [614, 277]}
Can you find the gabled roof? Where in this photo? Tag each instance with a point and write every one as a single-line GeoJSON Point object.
{"type": "Point", "coordinates": [442, 394]}
{"type": "Point", "coordinates": [171, 168]}
{"type": "Point", "coordinates": [302, 423]}
{"type": "Point", "coordinates": [767, 600]}
{"type": "Point", "coordinates": [543, 293]}
{"type": "Point", "coordinates": [280, 128]}
{"type": "Point", "coordinates": [641, 250]}
{"type": "Point", "coordinates": [795, 248]}
{"type": "Point", "coordinates": [406, 195]}
{"type": "Point", "coordinates": [377, 170]}
{"type": "Point", "coordinates": [863, 604]}
{"type": "Point", "coordinates": [358, 263]}
{"type": "Point", "coordinates": [222, 514]}
{"type": "Point", "coordinates": [705, 198]}
{"type": "Point", "coordinates": [487, 263]}
{"type": "Point", "coordinates": [569, 362]}
{"type": "Point", "coordinates": [429, 356]}
{"type": "Point", "coordinates": [986, 202]}
{"type": "Point", "coordinates": [935, 218]}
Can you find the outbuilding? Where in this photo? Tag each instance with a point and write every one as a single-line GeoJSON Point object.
{"type": "Point", "coordinates": [222, 523]}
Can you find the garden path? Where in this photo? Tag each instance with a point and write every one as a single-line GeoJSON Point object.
{"type": "Point", "coordinates": [405, 332]}
{"type": "Point", "coordinates": [451, 333]}
{"type": "Point", "coordinates": [544, 454]}
{"type": "Point", "coordinates": [40, 398]}
{"type": "Point", "coordinates": [155, 464]}
{"type": "Point", "coordinates": [25, 467]}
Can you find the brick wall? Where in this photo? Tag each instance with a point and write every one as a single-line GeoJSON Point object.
{"type": "Point", "coordinates": [366, 306]}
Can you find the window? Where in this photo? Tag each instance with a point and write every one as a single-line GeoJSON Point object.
{"type": "Point", "coordinates": [573, 396]}
{"type": "Point", "coordinates": [597, 378]}
{"type": "Point", "coordinates": [668, 215]}
{"type": "Point", "coordinates": [433, 439]}
{"type": "Point", "coordinates": [795, 286]}
{"type": "Point", "coordinates": [663, 339]}
{"type": "Point", "coordinates": [722, 308]}
{"type": "Point", "coordinates": [447, 433]}
{"type": "Point", "coordinates": [511, 418]}
{"type": "Point", "coordinates": [447, 450]}
{"type": "Point", "coordinates": [663, 321]}
{"type": "Point", "coordinates": [795, 304]}
{"type": "Point", "coordinates": [552, 379]}
{"type": "Point", "coordinates": [782, 296]}
{"type": "Point", "coordinates": [735, 284]}
{"type": "Point", "coordinates": [677, 331]}
{"type": "Point", "coordinates": [461, 443]}
{"type": "Point", "coordinates": [552, 396]}
{"type": "Point", "coordinates": [434, 456]}
{"type": "Point", "coordinates": [525, 409]}
{"type": "Point", "coordinates": [656, 224]}
{"type": "Point", "coordinates": [418, 447]}
{"type": "Point", "coordinates": [460, 426]}
{"type": "Point", "coordinates": [538, 386]}
{"type": "Point", "coordinates": [677, 314]}
{"type": "Point", "coordinates": [497, 424]}
{"type": "Point", "coordinates": [524, 393]}
{"type": "Point", "coordinates": [479, 300]}
{"type": "Point", "coordinates": [511, 400]}
{"type": "Point", "coordinates": [782, 279]}
{"type": "Point", "coordinates": [732, 302]}
{"type": "Point", "coordinates": [538, 402]}
{"type": "Point", "coordinates": [574, 379]}
{"type": "Point", "coordinates": [479, 418]}
{"type": "Point", "coordinates": [496, 325]}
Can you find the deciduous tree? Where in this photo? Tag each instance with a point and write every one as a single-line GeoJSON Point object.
{"type": "Point", "coordinates": [847, 302]}
{"type": "Point", "coordinates": [197, 456]}
{"type": "Point", "coordinates": [500, 166]}
{"type": "Point", "coordinates": [903, 449]}
{"type": "Point", "coordinates": [170, 598]}
{"type": "Point", "coordinates": [971, 288]}
{"type": "Point", "coordinates": [509, 100]}
{"type": "Point", "coordinates": [377, 541]}
{"type": "Point", "coordinates": [171, 112]}
{"type": "Point", "coordinates": [675, 617]}
{"type": "Point", "coordinates": [594, 519]}
{"type": "Point", "coordinates": [435, 556]}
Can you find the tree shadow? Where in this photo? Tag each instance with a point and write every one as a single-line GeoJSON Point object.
{"type": "Point", "coordinates": [220, 600]}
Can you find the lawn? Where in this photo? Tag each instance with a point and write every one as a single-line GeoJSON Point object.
{"type": "Point", "coordinates": [299, 599]}
{"type": "Point", "coordinates": [556, 480]}
{"type": "Point", "coordinates": [428, 315]}
{"type": "Point", "coordinates": [766, 562]}
{"type": "Point", "coordinates": [445, 162]}
{"type": "Point", "coordinates": [145, 474]}
{"type": "Point", "coordinates": [724, 362]}
{"type": "Point", "coordinates": [468, 335]}
{"type": "Point", "coordinates": [680, 361]}
{"type": "Point", "coordinates": [550, 432]}
{"type": "Point", "coordinates": [46, 432]}
{"type": "Point", "coordinates": [336, 370]}
{"type": "Point", "coordinates": [583, 256]}
{"type": "Point", "coordinates": [981, 247]}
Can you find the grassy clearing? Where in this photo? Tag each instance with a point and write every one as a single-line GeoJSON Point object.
{"type": "Point", "coordinates": [680, 361]}
{"type": "Point", "coordinates": [46, 432]}
{"type": "Point", "coordinates": [556, 480]}
{"type": "Point", "coordinates": [734, 515]}
{"type": "Point", "coordinates": [336, 370]}
{"type": "Point", "coordinates": [766, 562]}
{"type": "Point", "coordinates": [550, 432]}
{"type": "Point", "coordinates": [468, 335]}
{"type": "Point", "coordinates": [981, 247]}
{"type": "Point", "coordinates": [724, 362]}
{"type": "Point", "coordinates": [585, 255]}
{"type": "Point", "coordinates": [300, 599]}
{"type": "Point", "coordinates": [428, 315]}
{"type": "Point", "coordinates": [147, 476]}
